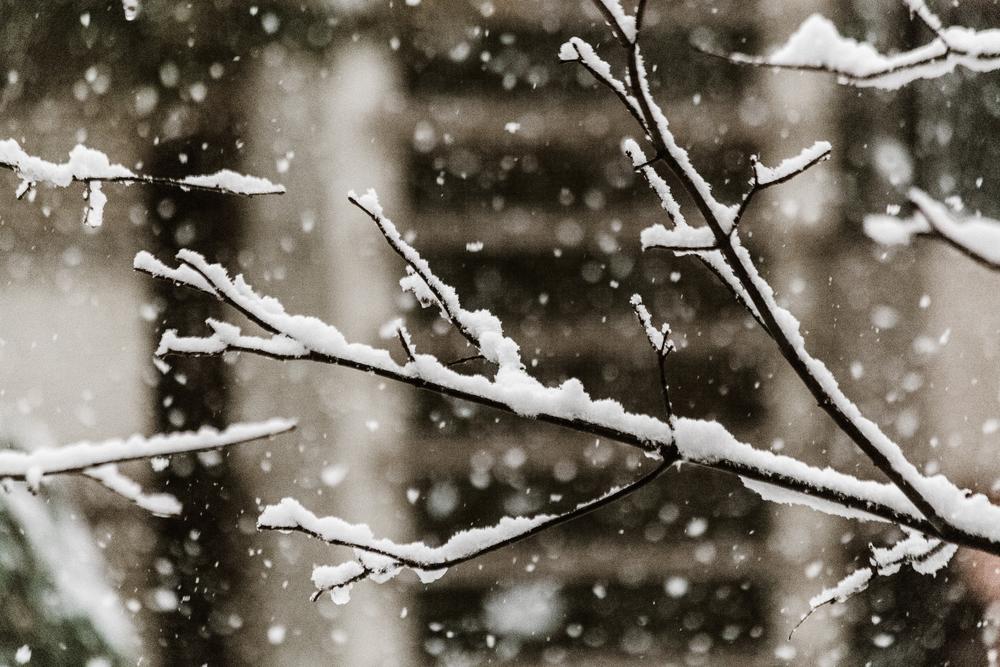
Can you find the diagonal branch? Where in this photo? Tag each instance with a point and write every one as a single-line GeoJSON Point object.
{"type": "Point", "coordinates": [976, 237]}
{"type": "Point", "coordinates": [778, 322]}
{"type": "Point", "coordinates": [464, 546]}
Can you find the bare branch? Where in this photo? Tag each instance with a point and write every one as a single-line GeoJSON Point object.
{"type": "Point", "coordinates": [406, 342]}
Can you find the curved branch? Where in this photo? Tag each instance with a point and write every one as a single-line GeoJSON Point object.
{"type": "Point", "coordinates": [290, 516]}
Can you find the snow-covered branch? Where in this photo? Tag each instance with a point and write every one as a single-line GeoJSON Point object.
{"type": "Point", "coordinates": [382, 559]}
{"type": "Point", "coordinates": [97, 460]}
{"type": "Point", "coordinates": [933, 506]}
{"type": "Point", "coordinates": [93, 168]}
{"type": "Point", "coordinates": [778, 478]}
{"type": "Point", "coordinates": [926, 556]}
{"type": "Point", "coordinates": [933, 497]}
{"type": "Point", "coordinates": [817, 45]}
{"type": "Point", "coordinates": [976, 237]}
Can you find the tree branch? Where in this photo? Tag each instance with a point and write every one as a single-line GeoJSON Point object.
{"type": "Point", "coordinates": [289, 515]}
{"type": "Point", "coordinates": [817, 46]}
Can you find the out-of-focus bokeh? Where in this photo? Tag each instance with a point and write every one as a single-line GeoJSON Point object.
{"type": "Point", "coordinates": [504, 168]}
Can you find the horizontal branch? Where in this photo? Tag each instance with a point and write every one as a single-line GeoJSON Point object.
{"type": "Point", "coordinates": [93, 168]}
{"type": "Point", "coordinates": [817, 46]}
{"type": "Point", "coordinates": [97, 460]}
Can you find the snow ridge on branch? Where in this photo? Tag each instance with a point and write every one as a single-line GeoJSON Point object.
{"type": "Point", "coordinates": [817, 45]}
{"type": "Point", "coordinates": [977, 237]}
{"type": "Point", "coordinates": [98, 460]}
{"type": "Point", "coordinates": [93, 168]}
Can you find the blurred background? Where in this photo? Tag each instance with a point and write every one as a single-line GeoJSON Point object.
{"type": "Point", "coordinates": [504, 169]}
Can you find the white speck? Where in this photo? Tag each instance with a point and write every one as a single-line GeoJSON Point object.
{"type": "Point", "coordinates": [371, 425]}
{"type": "Point", "coordinates": [676, 587]}
{"type": "Point", "coordinates": [991, 426]}
{"type": "Point", "coordinates": [276, 634]}
{"type": "Point", "coordinates": [412, 495]}
{"type": "Point", "coordinates": [883, 640]}
{"type": "Point", "coordinates": [512, 127]}
{"type": "Point", "coordinates": [85, 22]}
{"type": "Point", "coordinates": [333, 475]}
{"type": "Point", "coordinates": [696, 527]}
{"type": "Point", "coordinates": [885, 317]}
{"type": "Point", "coordinates": [785, 652]}
{"type": "Point", "coordinates": [474, 246]}
{"type": "Point", "coordinates": [857, 370]}
{"type": "Point", "coordinates": [925, 301]}
{"type": "Point", "coordinates": [23, 655]}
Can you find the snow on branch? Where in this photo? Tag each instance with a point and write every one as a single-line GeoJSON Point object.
{"type": "Point", "coordinates": [480, 328]}
{"type": "Point", "coordinates": [765, 177]}
{"type": "Point", "coordinates": [705, 443]}
{"type": "Point", "coordinates": [735, 266]}
{"type": "Point", "coordinates": [926, 556]}
{"type": "Point", "coordinates": [931, 505]}
{"type": "Point", "coordinates": [817, 45]}
{"type": "Point", "coordinates": [97, 460]}
{"type": "Point", "coordinates": [976, 237]}
{"type": "Point", "coordinates": [93, 168]}
{"type": "Point", "coordinates": [382, 559]}
{"type": "Point", "coordinates": [659, 340]}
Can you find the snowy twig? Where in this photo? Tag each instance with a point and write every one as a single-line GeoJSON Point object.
{"type": "Point", "coordinates": [975, 237]}
{"type": "Point", "coordinates": [92, 168]}
{"type": "Point", "coordinates": [481, 329]}
{"type": "Point", "coordinates": [97, 459]}
{"type": "Point", "coordinates": [659, 340]}
{"type": "Point", "coordinates": [429, 562]}
{"type": "Point", "coordinates": [765, 177]}
{"type": "Point", "coordinates": [818, 46]}
{"type": "Point", "coordinates": [925, 556]}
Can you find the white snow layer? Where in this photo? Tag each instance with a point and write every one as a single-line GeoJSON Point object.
{"type": "Point", "coordinates": [818, 44]}
{"type": "Point", "coordinates": [85, 456]}
{"type": "Point", "coordinates": [855, 582]}
{"type": "Point", "coordinates": [234, 183]}
{"type": "Point", "coordinates": [978, 235]}
{"type": "Point", "coordinates": [697, 440]}
{"type": "Point", "coordinates": [790, 166]}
